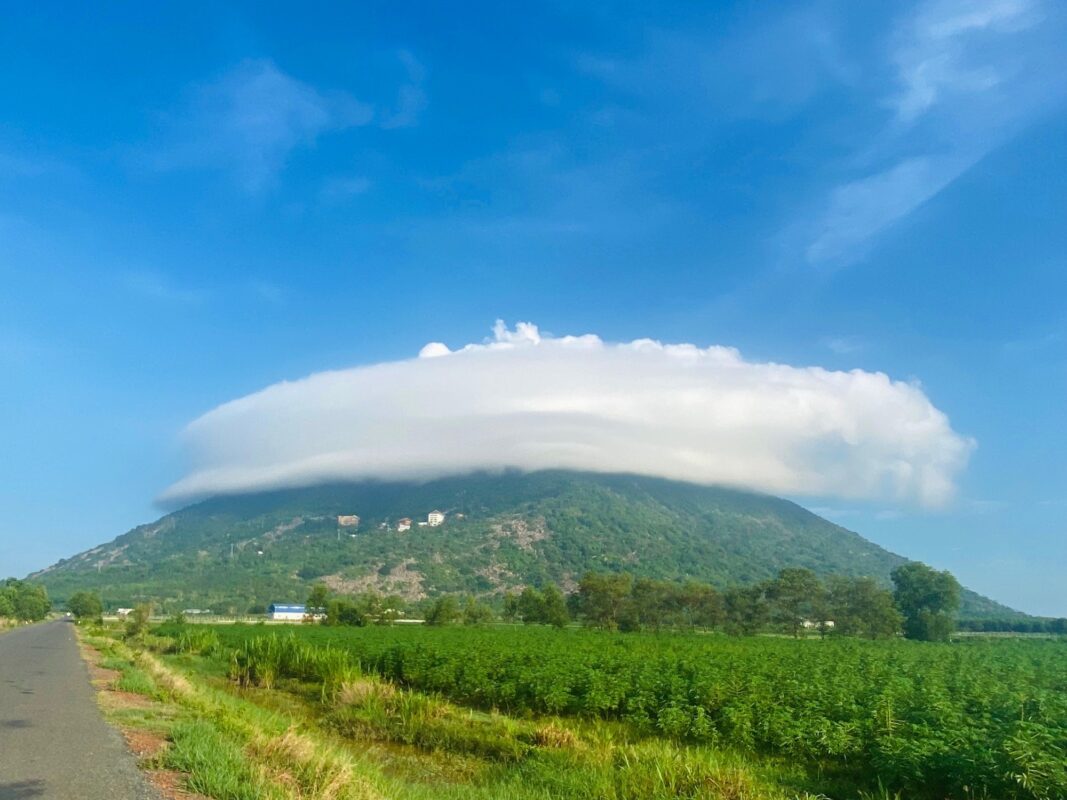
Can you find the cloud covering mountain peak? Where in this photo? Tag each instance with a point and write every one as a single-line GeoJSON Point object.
{"type": "Point", "coordinates": [524, 399]}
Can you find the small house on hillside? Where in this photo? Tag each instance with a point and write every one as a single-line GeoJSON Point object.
{"type": "Point", "coordinates": [286, 613]}
{"type": "Point", "coordinates": [404, 524]}
{"type": "Point", "coordinates": [348, 520]}
{"type": "Point", "coordinates": [435, 518]}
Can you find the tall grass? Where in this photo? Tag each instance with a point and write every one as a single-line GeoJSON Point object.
{"type": "Point", "coordinates": [216, 766]}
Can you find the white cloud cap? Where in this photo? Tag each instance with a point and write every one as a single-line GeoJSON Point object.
{"type": "Point", "coordinates": [532, 401]}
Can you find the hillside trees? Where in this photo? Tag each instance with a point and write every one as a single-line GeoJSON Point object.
{"type": "Point", "coordinates": [927, 599]}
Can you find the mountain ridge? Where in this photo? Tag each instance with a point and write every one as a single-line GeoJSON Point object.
{"type": "Point", "coordinates": [502, 531]}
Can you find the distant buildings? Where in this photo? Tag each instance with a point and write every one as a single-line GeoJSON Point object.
{"type": "Point", "coordinates": [287, 613]}
{"type": "Point", "coordinates": [348, 520]}
{"type": "Point", "coordinates": [433, 519]}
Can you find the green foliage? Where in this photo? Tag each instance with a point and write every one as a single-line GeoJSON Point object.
{"type": "Point", "coordinates": [340, 611]}
{"type": "Point", "coordinates": [475, 613]}
{"type": "Point", "coordinates": [547, 606]}
{"type": "Point", "coordinates": [216, 766]}
{"type": "Point", "coordinates": [984, 718]}
{"type": "Point", "coordinates": [602, 598]}
{"type": "Point", "coordinates": [554, 607]}
{"type": "Point", "coordinates": [137, 621]}
{"type": "Point", "coordinates": [860, 607]}
{"type": "Point", "coordinates": [797, 596]}
{"type": "Point", "coordinates": [928, 600]}
{"type": "Point", "coordinates": [443, 611]}
{"type": "Point", "coordinates": [85, 606]}
{"type": "Point", "coordinates": [318, 598]}
{"type": "Point", "coordinates": [518, 530]}
{"type": "Point", "coordinates": [24, 600]}
{"type": "Point", "coordinates": [745, 609]}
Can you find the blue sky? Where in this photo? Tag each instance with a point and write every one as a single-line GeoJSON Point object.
{"type": "Point", "coordinates": [199, 201]}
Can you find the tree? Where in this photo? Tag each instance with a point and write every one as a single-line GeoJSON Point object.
{"type": "Point", "coordinates": [85, 605]}
{"type": "Point", "coordinates": [341, 611]}
{"type": "Point", "coordinates": [745, 609]}
{"type": "Point", "coordinates": [927, 599]}
{"type": "Point", "coordinates": [318, 598]}
{"type": "Point", "coordinates": [796, 597]}
{"type": "Point", "coordinates": [651, 604]}
{"type": "Point", "coordinates": [443, 611]}
{"type": "Point", "coordinates": [860, 607]}
{"type": "Point", "coordinates": [137, 620]}
{"type": "Point", "coordinates": [554, 606]}
{"type": "Point", "coordinates": [24, 601]}
{"type": "Point", "coordinates": [701, 606]}
{"type": "Point", "coordinates": [511, 606]}
{"type": "Point", "coordinates": [475, 613]}
{"type": "Point", "coordinates": [531, 606]}
{"type": "Point", "coordinates": [602, 597]}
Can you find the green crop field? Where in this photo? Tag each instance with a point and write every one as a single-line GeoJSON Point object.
{"type": "Point", "coordinates": [979, 718]}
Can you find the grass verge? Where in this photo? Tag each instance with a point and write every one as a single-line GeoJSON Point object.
{"type": "Point", "coordinates": [363, 738]}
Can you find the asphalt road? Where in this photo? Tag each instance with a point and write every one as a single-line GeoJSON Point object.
{"type": "Point", "coordinates": [54, 744]}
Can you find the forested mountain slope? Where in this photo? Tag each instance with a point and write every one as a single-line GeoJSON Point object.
{"type": "Point", "coordinates": [502, 531]}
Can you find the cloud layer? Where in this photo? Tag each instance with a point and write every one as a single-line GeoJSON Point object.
{"type": "Point", "coordinates": [531, 401]}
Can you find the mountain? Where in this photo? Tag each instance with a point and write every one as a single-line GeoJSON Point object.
{"type": "Point", "coordinates": [501, 531]}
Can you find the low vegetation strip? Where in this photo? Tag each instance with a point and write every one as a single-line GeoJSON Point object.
{"type": "Point", "coordinates": [977, 718]}
{"type": "Point", "coordinates": [365, 739]}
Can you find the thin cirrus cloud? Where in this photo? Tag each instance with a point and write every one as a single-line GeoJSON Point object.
{"type": "Point", "coordinates": [967, 75]}
{"type": "Point", "coordinates": [249, 121]}
{"type": "Point", "coordinates": [531, 401]}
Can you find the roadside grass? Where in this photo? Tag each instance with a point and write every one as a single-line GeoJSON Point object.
{"type": "Point", "coordinates": [215, 765]}
{"type": "Point", "coordinates": [358, 737]}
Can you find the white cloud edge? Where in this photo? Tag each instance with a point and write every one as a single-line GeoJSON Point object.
{"type": "Point", "coordinates": [530, 401]}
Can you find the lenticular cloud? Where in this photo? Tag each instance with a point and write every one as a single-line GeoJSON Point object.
{"type": "Point", "coordinates": [531, 401]}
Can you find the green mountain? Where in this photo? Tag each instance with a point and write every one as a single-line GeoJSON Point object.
{"type": "Point", "coordinates": [501, 531]}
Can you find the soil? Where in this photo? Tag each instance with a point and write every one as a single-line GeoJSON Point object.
{"type": "Point", "coordinates": [169, 784]}
{"type": "Point", "coordinates": [144, 744]}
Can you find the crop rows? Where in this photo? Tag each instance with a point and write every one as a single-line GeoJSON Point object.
{"type": "Point", "coordinates": [979, 718]}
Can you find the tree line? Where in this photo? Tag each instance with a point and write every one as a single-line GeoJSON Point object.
{"type": "Point", "coordinates": [1049, 625]}
{"type": "Point", "coordinates": [24, 601]}
{"type": "Point", "coordinates": [922, 605]}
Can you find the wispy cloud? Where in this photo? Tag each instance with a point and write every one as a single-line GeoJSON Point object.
{"type": "Point", "coordinates": [528, 400]}
{"type": "Point", "coordinates": [411, 97]}
{"type": "Point", "coordinates": [859, 210]}
{"type": "Point", "coordinates": [250, 120]}
{"type": "Point", "coordinates": [844, 345]}
{"type": "Point", "coordinates": [967, 75]}
{"type": "Point", "coordinates": [154, 285]}
{"type": "Point", "coordinates": [937, 57]}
